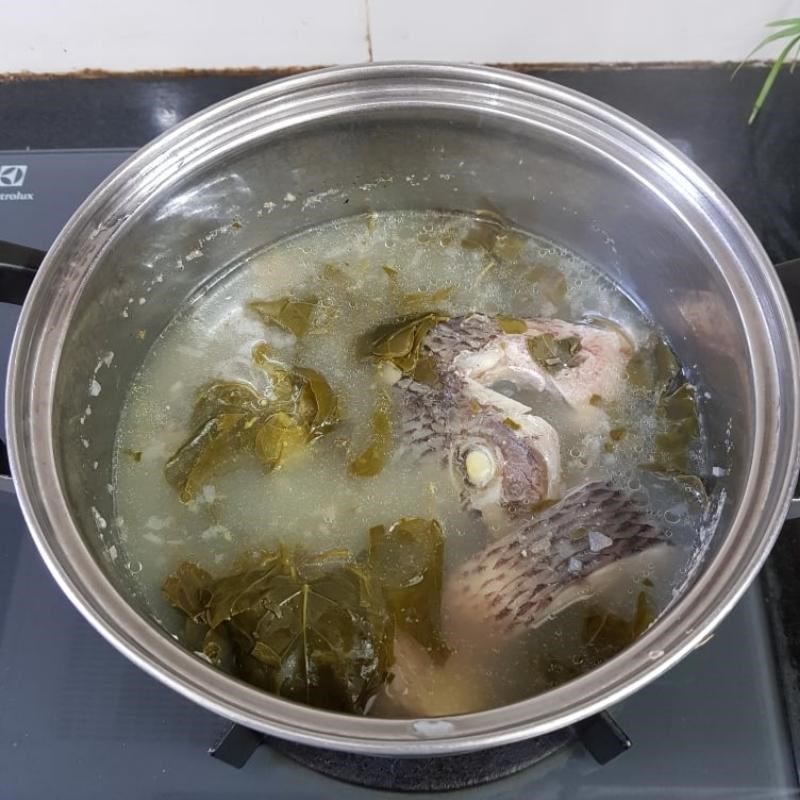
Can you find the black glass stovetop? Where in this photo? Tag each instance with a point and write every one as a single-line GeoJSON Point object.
{"type": "Point", "coordinates": [77, 720]}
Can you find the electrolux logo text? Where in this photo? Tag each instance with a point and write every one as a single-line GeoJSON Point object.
{"type": "Point", "coordinates": [12, 176]}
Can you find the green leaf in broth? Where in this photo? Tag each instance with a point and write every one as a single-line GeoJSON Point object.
{"type": "Point", "coordinates": [292, 315]}
{"type": "Point", "coordinates": [242, 591]}
{"type": "Point", "coordinates": [609, 324]}
{"type": "Point", "coordinates": [694, 484]}
{"type": "Point", "coordinates": [492, 233]}
{"type": "Point", "coordinates": [483, 233]}
{"type": "Point", "coordinates": [391, 276]}
{"type": "Point", "coordinates": [425, 372]}
{"type": "Point", "coordinates": [283, 384]}
{"type": "Point", "coordinates": [232, 418]}
{"type": "Point", "coordinates": [653, 365]}
{"type": "Point", "coordinates": [400, 342]}
{"type": "Point", "coordinates": [310, 630]}
{"type": "Point", "coordinates": [371, 460]}
{"type": "Point", "coordinates": [544, 504]}
{"type": "Point", "coordinates": [415, 301]}
{"type": "Point", "coordinates": [638, 371]}
{"type": "Point", "coordinates": [225, 397]}
{"type": "Point", "coordinates": [680, 404]}
{"type": "Point", "coordinates": [666, 365]}
{"type": "Point", "coordinates": [553, 354]}
{"type": "Point", "coordinates": [677, 411]}
{"type": "Point", "coordinates": [217, 648]}
{"type": "Point", "coordinates": [511, 325]}
{"type": "Point", "coordinates": [549, 282]}
{"type": "Point", "coordinates": [407, 562]}
{"type": "Point", "coordinates": [508, 246]}
{"type": "Point", "coordinates": [409, 302]}
{"type": "Point", "coordinates": [335, 275]}
{"type": "Point", "coordinates": [188, 589]}
{"type": "Point", "coordinates": [216, 442]}
{"type": "Point", "coordinates": [318, 398]}
{"type": "Point", "coordinates": [608, 634]}
{"type": "Point", "coordinates": [603, 636]}
{"type": "Point", "coordinates": [278, 438]}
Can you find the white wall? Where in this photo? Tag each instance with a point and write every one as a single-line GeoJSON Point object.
{"type": "Point", "coordinates": [125, 35]}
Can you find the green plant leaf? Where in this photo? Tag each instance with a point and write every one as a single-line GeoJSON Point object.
{"type": "Point", "coordinates": [790, 28]}
{"type": "Point", "coordinates": [549, 282]}
{"type": "Point", "coordinates": [778, 22]}
{"type": "Point", "coordinates": [770, 79]}
{"type": "Point", "coordinates": [677, 411]}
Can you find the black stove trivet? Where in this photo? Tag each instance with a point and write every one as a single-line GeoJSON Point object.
{"type": "Point", "coordinates": [600, 735]}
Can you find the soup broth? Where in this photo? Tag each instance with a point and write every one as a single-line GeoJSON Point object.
{"type": "Point", "coordinates": [335, 475]}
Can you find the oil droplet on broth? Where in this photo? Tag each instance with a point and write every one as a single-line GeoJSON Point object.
{"type": "Point", "coordinates": [315, 501]}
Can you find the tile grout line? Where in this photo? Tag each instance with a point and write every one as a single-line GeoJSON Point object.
{"type": "Point", "coordinates": [368, 36]}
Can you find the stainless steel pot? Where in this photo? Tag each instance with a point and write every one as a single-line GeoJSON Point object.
{"type": "Point", "coordinates": [344, 141]}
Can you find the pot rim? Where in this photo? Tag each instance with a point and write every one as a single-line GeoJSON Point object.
{"type": "Point", "coordinates": [776, 457]}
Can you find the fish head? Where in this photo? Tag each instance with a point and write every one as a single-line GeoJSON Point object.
{"type": "Point", "coordinates": [503, 462]}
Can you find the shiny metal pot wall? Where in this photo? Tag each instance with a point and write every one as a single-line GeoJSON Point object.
{"type": "Point", "coordinates": [345, 141]}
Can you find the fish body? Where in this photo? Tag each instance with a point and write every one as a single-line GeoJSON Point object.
{"type": "Point", "coordinates": [553, 560]}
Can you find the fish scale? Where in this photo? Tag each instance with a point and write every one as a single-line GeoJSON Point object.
{"type": "Point", "coordinates": [516, 583]}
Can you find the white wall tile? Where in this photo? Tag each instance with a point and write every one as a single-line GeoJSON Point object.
{"type": "Point", "coordinates": [550, 31]}
{"type": "Point", "coordinates": [127, 35]}
{"type": "Point", "coordinates": [67, 35]}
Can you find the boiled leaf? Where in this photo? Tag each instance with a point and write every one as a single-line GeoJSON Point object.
{"type": "Point", "coordinates": [677, 412]}
{"type": "Point", "coordinates": [653, 365]}
{"type": "Point", "coordinates": [406, 561]}
{"type": "Point", "coordinates": [370, 461]}
{"type": "Point", "coordinates": [553, 354]}
{"type": "Point", "coordinates": [416, 301]}
{"type": "Point", "coordinates": [511, 325]}
{"type": "Point", "coordinates": [279, 437]}
{"type": "Point", "coordinates": [603, 636]}
{"type": "Point", "coordinates": [311, 630]}
{"type": "Point", "coordinates": [187, 589]}
{"type": "Point", "coordinates": [401, 342]}
{"type": "Point", "coordinates": [214, 443]}
{"type": "Point", "coordinates": [549, 282]}
{"type": "Point", "coordinates": [292, 315]}
{"type": "Point", "coordinates": [232, 418]}
{"type": "Point", "coordinates": [317, 402]}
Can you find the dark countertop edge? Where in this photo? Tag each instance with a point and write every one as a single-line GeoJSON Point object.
{"type": "Point", "coordinates": [92, 73]}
